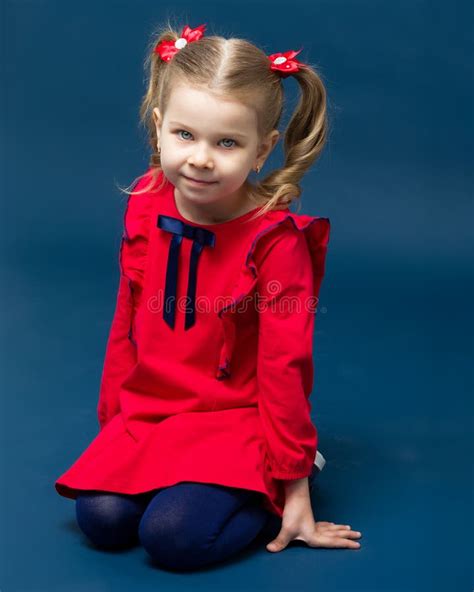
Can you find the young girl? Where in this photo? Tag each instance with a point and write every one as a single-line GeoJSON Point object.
{"type": "Point", "coordinates": [205, 428]}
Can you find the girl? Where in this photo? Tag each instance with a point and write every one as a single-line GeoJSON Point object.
{"type": "Point", "coordinates": [204, 413]}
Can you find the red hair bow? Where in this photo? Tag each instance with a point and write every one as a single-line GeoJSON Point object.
{"type": "Point", "coordinates": [167, 49]}
{"type": "Point", "coordinates": [285, 63]}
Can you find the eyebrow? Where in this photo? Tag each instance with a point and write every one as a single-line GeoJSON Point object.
{"type": "Point", "coordinates": [222, 135]}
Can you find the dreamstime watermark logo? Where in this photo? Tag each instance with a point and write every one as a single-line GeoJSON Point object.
{"type": "Point", "coordinates": [272, 299]}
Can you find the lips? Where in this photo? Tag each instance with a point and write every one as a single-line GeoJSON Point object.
{"type": "Point", "coordinates": [202, 181]}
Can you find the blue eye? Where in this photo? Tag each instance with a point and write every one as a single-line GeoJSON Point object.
{"type": "Point", "coordinates": [180, 131]}
{"type": "Point", "coordinates": [229, 139]}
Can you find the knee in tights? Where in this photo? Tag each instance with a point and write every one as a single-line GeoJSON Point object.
{"type": "Point", "coordinates": [191, 524]}
{"type": "Point", "coordinates": [110, 520]}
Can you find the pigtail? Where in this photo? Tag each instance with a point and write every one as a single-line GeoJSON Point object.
{"type": "Point", "coordinates": [157, 71]}
{"type": "Point", "coordinates": [156, 68]}
{"type": "Point", "coordinates": [304, 141]}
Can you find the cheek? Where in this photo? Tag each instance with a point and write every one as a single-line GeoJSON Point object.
{"type": "Point", "coordinates": [170, 158]}
{"type": "Point", "coordinates": [176, 154]}
{"type": "Point", "coordinates": [237, 168]}
{"type": "Point", "coordinates": [169, 168]}
{"type": "Point", "coordinates": [234, 161]}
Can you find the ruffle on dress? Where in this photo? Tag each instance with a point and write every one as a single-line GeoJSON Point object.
{"type": "Point", "coordinates": [134, 245]}
{"type": "Point", "coordinates": [316, 231]}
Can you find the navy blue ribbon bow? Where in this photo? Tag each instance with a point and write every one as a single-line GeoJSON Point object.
{"type": "Point", "coordinates": [201, 238]}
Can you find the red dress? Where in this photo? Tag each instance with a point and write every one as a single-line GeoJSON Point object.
{"type": "Point", "coordinates": [213, 385]}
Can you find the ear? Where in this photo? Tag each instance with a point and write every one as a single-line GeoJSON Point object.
{"type": "Point", "coordinates": [267, 145]}
{"type": "Point", "coordinates": [157, 116]}
{"type": "Point", "coordinates": [158, 121]}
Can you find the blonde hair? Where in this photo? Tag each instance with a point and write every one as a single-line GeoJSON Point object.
{"type": "Point", "coordinates": [235, 68]}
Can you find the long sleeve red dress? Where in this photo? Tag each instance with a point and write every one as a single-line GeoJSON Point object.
{"type": "Point", "coordinates": [208, 367]}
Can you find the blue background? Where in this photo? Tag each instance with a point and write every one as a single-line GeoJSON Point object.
{"type": "Point", "coordinates": [393, 344]}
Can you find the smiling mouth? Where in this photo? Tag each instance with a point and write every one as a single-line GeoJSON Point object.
{"type": "Point", "coordinates": [198, 181]}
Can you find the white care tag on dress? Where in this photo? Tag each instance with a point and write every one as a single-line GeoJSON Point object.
{"type": "Point", "coordinates": [319, 460]}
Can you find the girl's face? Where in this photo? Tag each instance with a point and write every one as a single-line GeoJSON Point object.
{"type": "Point", "coordinates": [212, 140]}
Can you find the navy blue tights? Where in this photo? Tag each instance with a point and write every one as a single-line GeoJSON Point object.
{"type": "Point", "coordinates": [183, 527]}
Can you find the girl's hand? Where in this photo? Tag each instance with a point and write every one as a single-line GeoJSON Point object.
{"type": "Point", "coordinates": [298, 524]}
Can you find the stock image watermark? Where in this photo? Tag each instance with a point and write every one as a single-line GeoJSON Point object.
{"type": "Point", "coordinates": [273, 299]}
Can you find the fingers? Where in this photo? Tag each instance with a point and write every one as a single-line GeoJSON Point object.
{"type": "Point", "coordinates": [343, 529]}
{"type": "Point", "coordinates": [333, 535]}
{"type": "Point", "coordinates": [332, 524]}
{"type": "Point", "coordinates": [345, 544]}
{"type": "Point", "coordinates": [348, 534]}
{"type": "Point", "coordinates": [332, 542]}
{"type": "Point", "coordinates": [343, 533]}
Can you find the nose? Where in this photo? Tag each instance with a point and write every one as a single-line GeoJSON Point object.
{"type": "Point", "coordinates": [200, 158]}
